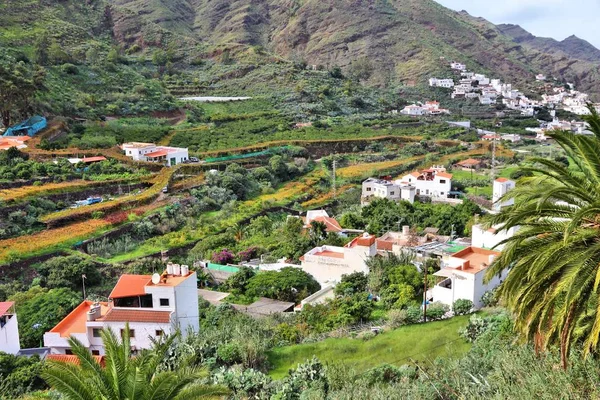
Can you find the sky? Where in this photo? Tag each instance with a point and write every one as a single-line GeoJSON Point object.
{"type": "Point", "coordinates": [557, 19]}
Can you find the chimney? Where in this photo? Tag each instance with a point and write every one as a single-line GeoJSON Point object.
{"type": "Point", "coordinates": [405, 230]}
{"type": "Point", "coordinates": [185, 270]}
{"type": "Point", "coordinates": [176, 269]}
{"type": "Point", "coordinates": [170, 268]}
{"type": "Point", "coordinates": [94, 312]}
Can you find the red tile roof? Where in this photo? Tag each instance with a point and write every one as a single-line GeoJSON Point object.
{"type": "Point", "coordinates": [93, 159]}
{"type": "Point", "coordinates": [158, 153]}
{"type": "Point", "coordinates": [75, 321]}
{"type": "Point", "coordinates": [444, 175]}
{"type": "Point", "coordinates": [469, 162]}
{"type": "Point", "coordinates": [329, 253]}
{"type": "Point", "coordinates": [5, 306]}
{"type": "Point", "coordinates": [331, 224]}
{"type": "Point", "coordinates": [136, 315]}
{"type": "Point", "coordinates": [72, 359]}
{"type": "Point", "coordinates": [502, 180]}
{"type": "Point", "coordinates": [130, 285]}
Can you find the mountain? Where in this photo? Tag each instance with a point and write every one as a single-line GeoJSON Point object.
{"type": "Point", "coordinates": [572, 46]}
{"type": "Point", "coordinates": [404, 40]}
{"type": "Point", "coordinates": [395, 43]}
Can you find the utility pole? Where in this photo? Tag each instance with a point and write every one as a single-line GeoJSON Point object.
{"type": "Point", "coordinates": [83, 278]}
{"type": "Point", "coordinates": [425, 267]}
{"type": "Point", "coordinates": [333, 183]}
{"type": "Point", "coordinates": [493, 158]}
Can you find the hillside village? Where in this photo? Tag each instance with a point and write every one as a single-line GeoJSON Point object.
{"type": "Point", "coordinates": [388, 200]}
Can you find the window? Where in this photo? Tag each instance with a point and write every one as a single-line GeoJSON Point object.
{"type": "Point", "coordinates": [442, 193]}
{"type": "Point", "coordinates": [392, 193]}
{"type": "Point", "coordinates": [442, 181]}
{"type": "Point", "coordinates": [159, 332]}
{"type": "Point", "coordinates": [368, 189]}
{"type": "Point", "coordinates": [96, 332]}
{"type": "Point", "coordinates": [68, 351]}
{"type": "Point", "coordinates": [95, 352]}
{"type": "Point", "coordinates": [129, 151]}
{"type": "Point", "coordinates": [131, 333]}
{"type": "Point", "coordinates": [164, 302]}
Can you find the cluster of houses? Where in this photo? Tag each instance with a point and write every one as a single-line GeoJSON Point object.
{"type": "Point", "coordinates": [476, 86]}
{"type": "Point", "coordinates": [158, 304]}
{"type": "Point", "coordinates": [567, 99]}
{"type": "Point", "coordinates": [433, 182]}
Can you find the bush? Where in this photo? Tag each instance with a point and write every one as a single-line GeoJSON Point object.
{"type": "Point", "coordinates": [69, 69]}
{"type": "Point", "coordinates": [386, 374]}
{"type": "Point", "coordinates": [475, 328]}
{"type": "Point", "coordinates": [397, 318]}
{"type": "Point", "coordinates": [436, 311]}
{"type": "Point", "coordinates": [489, 298]}
{"type": "Point", "coordinates": [414, 314]}
{"type": "Point", "coordinates": [462, 306]}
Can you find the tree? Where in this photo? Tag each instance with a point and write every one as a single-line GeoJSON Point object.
{"type": "Point", "coordinates": [67, 272]}
{"type": "Point", "coordinates": [554, 258]}
{"type": "Point", "coordinates": [19, 375]}
{"type": "Point", "coordinates": [125, 376]}
{"type": "Point", "coordinates": [361, 69]}
{"type": "Point", "coordinates": [262, 225]}
{"type": "Point", "coordinates": [56, 55]}
{"type": "Point", "coordinates": [40, 49]}
{"type": "Point", "coordinates": [288, 284]}
{"type": "Point", "coordinates": [399, 295]}
{"type": "Point", "coordinates": [351, 283]}
{"type": "Point", "coordinates": [113, 56]}
{"type": "Point", "coordinates": [317, 231]}
{"type": "Point", "coordinates": [18, 84]}
{"type": "Point", "coordinates": [40, 310]}
{"type": "Point", "coordinates": [92, 55]}
{"type": "Point", "coordinates": [238, 281]}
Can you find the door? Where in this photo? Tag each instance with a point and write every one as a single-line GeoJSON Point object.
{"type": "Point", "coordinates": [173, 161]}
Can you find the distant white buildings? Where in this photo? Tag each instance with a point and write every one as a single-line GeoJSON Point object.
{"type": "Point", "coordinates": [153, 306]}
{"type": "Point", "coordinates": [327, 264]}
{"type": "Point", "coordinates": [500, 188]}
{"type": "Point", "coordinates": [166, 155]}
{"type": "Point", "coordinates": [511, 137]}
{"type": "Point", "coordinates": [443, 83]}
{"type": "Point", "coordinates": [540, 77]}
{"type": "Point", "coordinates": [458, 66]}
{"type": "Point", "coordinates": [383, 189]}
{"type": "Point", "coordinates": [9, 328]}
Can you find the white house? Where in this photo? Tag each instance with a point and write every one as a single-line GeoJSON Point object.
{"type": "Point", "coordinates": [540, 77]}
{"type": "Point", "coordinates": [443, 83]}
{"type": "Point", "coordinates": [433, 182]}
{"type": "Point", "coordinates": [150, 152]}
{"type": "Point", "coordinates": [512, 137]}
{"type": "Point", "coordinates": [500, 188]}
{"type": "Point", "coordinates": [458, 66]}
{"type": "Point", "coordinates": [9, 328]}
{"type": "Point", "coordinates": [486, 101]}
{"type": "Point", "coordinates": [488, 238]}
{"type": "Point", "coordinates": [413, 110]}
{"type": "Point", "coordinates": [379, 188]}
{"type": "Point", "coordinates": [327, 264]}
{"type": "Point", "coordinates": [152, 305]}
{"type": "Point", "coordinates": [463, 274]}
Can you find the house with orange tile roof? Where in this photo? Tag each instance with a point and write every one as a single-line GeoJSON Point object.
{"type": "Point", "coordinates": [327, 264]}
{"type": "Point", "coordinates": [462, 277]}
{"type": "Point", "coordinates": [152, 305]}
{"type": "Point", "coordinates": [331, 224]}
{"type": "Point", "coordinates": [6, 142]}
{"type": "Point", "coordinates": [150, 152]}
{"type": "Point", "coordinates": [9, 328]}
{"type": "Point", "coordinates": [433, 182]}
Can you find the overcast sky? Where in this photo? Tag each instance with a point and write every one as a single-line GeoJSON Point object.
{"type": "Point", "coordinates": [547, 18]}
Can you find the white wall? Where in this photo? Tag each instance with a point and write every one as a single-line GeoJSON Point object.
{"type": "Point", "coordinates": [434, 188]}
{"type": "Point", "coordinates": [186, 303]}
{"type": "Point", "coordinates": [329, 270]}
{"type": "Point", "coordinates": [9, 335]}
{"type": "Point", "coordinates": [485, 239]}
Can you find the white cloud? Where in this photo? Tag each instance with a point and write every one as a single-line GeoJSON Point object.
{"type": "Point", "coordinates": [550, 18]}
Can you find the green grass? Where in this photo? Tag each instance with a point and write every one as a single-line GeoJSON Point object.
{"type": "Point", "coordinates": [460, 174]}
{"type": "Point", "coordinates": [417, 342]}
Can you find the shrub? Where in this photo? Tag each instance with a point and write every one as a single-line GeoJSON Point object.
{"type": "Point", "coordinates": [489, 298]}
{"type": "Point", "coordinates": [69, 69]}
{"type": "Point", "coordinates": [223, 257]}
{"type": "Point", "coordinates": [397, 318]}
{"type": "Point", "coordinates": [475, 328]}
{"type": "Point", "coordinates": [462, 306]}
{"type": "Point", "coordinates": [387, 373]}
{"type": "Point", "coordinates": [436, 311]}
{"type": "Point", "coordinates": [414, 314]}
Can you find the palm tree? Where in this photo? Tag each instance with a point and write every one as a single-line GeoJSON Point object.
{"type": "Point", "coordinates": [554, 259]}
{"type": "Point", "coordinates": [125, 376]}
